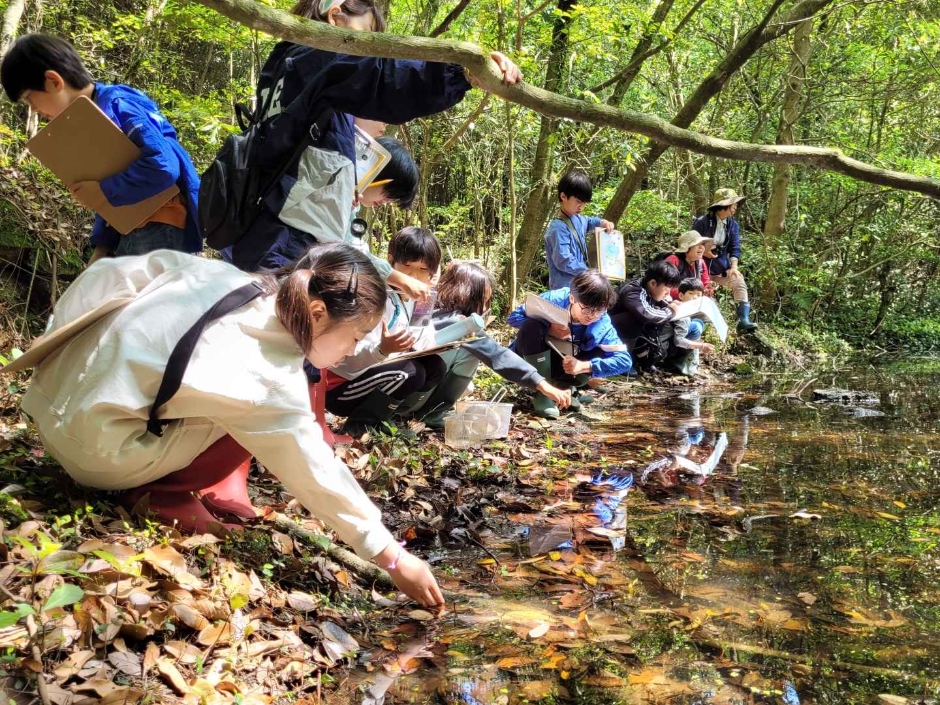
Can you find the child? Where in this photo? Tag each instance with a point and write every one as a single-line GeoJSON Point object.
{"type": "Point", "coordinates": [370, 398]}
{"type": "Point", "coordinates": [566, 236]}
{"type": "Point", "coordinates": [242, 394]}
{"type": "Point", "coordinates": [598, 351]}
{"type": "Point", "coordinates": [687, 340]}
{"type": "Point", "coordinates": [46, 73]}
{"type": "Point", "coordinates": [315, 197]}
{"type": "Point", "coordinates": [464, 289]}
{"type": "Point", "coordinates": [641, 310]}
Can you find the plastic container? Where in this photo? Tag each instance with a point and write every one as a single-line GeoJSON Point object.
{"type": "Point", "coordinates": [464, 430]}
{"type": "Point", "coordinates": [498, 416]}
{"type": "Point", "coordinates": [471, 325]}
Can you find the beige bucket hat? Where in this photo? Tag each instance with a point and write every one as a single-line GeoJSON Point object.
{"type": "Point", "coordinates": [690, 239]}
{"type": "Point", "coordinates": [725, 197]}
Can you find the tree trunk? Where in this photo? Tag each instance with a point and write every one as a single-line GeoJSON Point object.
{"type": "Point", "coordinates": [11, 22]}
{"type": "Point", "coordinates": [740, 53]}
{"type": "Point", "coordinates": [796, 78]}
{"type": "Point", "coordinates": [539, 201]}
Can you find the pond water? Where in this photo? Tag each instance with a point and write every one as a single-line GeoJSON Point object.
{"type": "Point", "coordinates": [715, 545]}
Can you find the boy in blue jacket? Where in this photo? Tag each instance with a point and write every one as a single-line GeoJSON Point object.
{"type": "Point", "coordinates": [566, 237]}
{"type": "Point", "coordinates": [597, 349]}
{"type": "Point", "coordinates": [47, 74]}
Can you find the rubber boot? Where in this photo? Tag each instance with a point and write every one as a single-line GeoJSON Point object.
{"type": "Point", "coordinates": [318, 406]}
{"type": "Point", "coordinates": [446, 394]}
{"type": "Point", "coordinates": [370, 416]}
{"type": "Point", "coordinates": [230, 496]}
{"type": "Point", "coordinates": [541, 404]}
{"type": "Point", "coordinates": [414, 402]}
{"type": "Point", "coordinates": [744, 318]}
{"type": "Point", "coordinates": [177, 509]}
{"type": "Point", "coordinates": [578, 395]}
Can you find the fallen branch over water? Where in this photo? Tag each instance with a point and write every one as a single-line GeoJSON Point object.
{"type": "Point", "coordinates": [321, 35]}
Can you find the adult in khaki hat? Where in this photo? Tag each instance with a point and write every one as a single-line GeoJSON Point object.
{"type": "Point", "coordinates": [689, 259]}
{"type": "Point", "coordinates": [720, 225]}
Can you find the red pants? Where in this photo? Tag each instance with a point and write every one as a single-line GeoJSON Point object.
{"type": "Point", "coordinates": [216, 482]}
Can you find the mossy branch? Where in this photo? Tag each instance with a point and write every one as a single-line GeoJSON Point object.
{"type": "Point", "coordinates": [323, 36]}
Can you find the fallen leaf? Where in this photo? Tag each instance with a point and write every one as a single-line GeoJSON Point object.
{"type": "Point", "coordinates": [302, 602]}
{"type": "Point", "coordinates": [807, 597]}
{"type": "Point", "coordinates": [150, 656]}
{"type": "Point", "coordinates": [283, 543]}
{"type": "Point", "coordinates": [539, 630]}
{"type": "Point", "coordinates": [900, 504]}
{"type": "Point", "coordinates": [892, 699]}
{"type": "Point", "coordinates": [605, 680]}
{"type": "Point", "coordinates": [885, 515]}
{"type": "Point", "coordinates": [168, 561]}
{"type": "Point", "coordinates": [183, 652]}
{"type": "Point", "coordinates": [128, 663]}
{"type": "Point", "coordinates": [171, 675]}
{"type": "Point", "coordinates": [72, 665]}
{"type": "Point", "coordinates": [215, 634]}
{"type": "Point", "coordinates": [511, 662]}
{"type": "Point", "coordinates": [190, 617]}
{"type": "Point", "coordinates": [536, 690]}
{"type": "Point", "coordinates": [421, 615]}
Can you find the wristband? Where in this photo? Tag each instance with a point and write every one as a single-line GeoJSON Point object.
{"type": "Point", "coordinates": [401, 551]}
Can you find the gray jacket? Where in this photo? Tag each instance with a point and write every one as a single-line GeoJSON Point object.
{"type": "Point", "coordinates": [463, 361]}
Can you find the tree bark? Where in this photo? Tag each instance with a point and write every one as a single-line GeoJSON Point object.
{"type": "Point", "coordinates": [796, 78]}
{"type": "Point", "coordinates": [538, 202]}
{"type": "Point", "coordinates": [11, 22]}
{"type": "Point", "coordinates": [451, 16]}
{"type": "Point", "coordinates": [740, 53]}
{"type": "Point", "coordinates": [547, 103]}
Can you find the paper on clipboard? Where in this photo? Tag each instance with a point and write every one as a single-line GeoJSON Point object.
{"type": "Point", "coordinates": [400, 357]}
{"type": "Point", "coordinates": [544, 310]}
{"type": "Point", "coordinates": [704, 306]}
{"type": "Point", "coordinates": [371, 157]}
{"type": "Point", "coordinates": [82, 144]}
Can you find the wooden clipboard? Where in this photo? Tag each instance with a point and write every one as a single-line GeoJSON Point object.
{"type": "Point", "coordinates": [82, 144]}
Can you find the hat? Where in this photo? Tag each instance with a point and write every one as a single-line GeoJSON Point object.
{"type": "Point", "coordinates": [725, 197]}
{"type": "Point", "coordinates": [690, 239]}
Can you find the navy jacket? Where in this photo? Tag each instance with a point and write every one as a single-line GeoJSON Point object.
{"type": "Point", "coordinates": [705, 225]}
{"type": "Point", "coordinates": [304, 81]}
{"type": "Point", "coordinates": [163, 162]}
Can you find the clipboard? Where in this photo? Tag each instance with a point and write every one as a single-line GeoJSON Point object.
{"type": "Point", "coordinates": [371, 158]}
{"type": "Point", "coordinates": [82, 144]}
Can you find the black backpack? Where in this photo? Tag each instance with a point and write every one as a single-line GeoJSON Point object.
{"type": "Point", "coordinates": [233, 188]}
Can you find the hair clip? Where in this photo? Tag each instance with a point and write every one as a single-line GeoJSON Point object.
{"type": "Point", "coordinates": [327, 5]}
{"type": "Point", "coordinates": [352, 288]}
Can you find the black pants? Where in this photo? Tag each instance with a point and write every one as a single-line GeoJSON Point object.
{"type": "Point", "coordinates": [531, 341]}
{"type": "Point", "coordinates": [397, 380]}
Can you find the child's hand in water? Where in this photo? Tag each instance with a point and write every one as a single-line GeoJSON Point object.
{"type": "Point", "coordinates": [399, 341]}
{"type": "Point", "coordinates": [411, 575]}
{"type": "Point", "coordinates": [562, 398]}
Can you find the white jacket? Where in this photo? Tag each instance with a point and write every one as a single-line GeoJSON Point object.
{"type": "Point", "coordinates": [90, 399]}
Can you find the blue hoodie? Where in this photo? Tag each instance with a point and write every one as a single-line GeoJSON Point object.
{"type": "Point", "coordinates": [614, 358]}
{"type": "Point", "coordinates": [163, 162]}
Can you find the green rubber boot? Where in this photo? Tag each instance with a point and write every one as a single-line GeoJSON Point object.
{"type": "Point", "coordinates": [541, 404]}
{"type": "Point", "coordinates": [442, 399]}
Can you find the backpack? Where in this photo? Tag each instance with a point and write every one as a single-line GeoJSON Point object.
{"type": "Point", "coordinates": [233, 188]}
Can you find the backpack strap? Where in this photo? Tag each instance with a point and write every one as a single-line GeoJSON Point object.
{"type": "Point", "coordinates": [179, 358]}
{"type": "Point", "coordinates": [582, 244]}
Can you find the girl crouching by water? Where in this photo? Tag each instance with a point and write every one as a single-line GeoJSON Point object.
{"type": "Point", "coordinates": [243, 392]}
